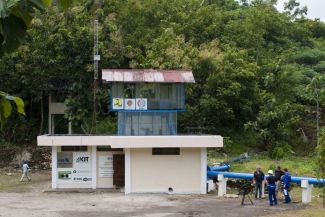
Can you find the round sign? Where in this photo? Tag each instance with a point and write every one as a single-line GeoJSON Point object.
{"type": "Point", "coordinates": [141, 102]}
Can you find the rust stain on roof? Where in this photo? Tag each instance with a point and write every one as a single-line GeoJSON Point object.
{"type": "Point", "coordinates": [147, 75]}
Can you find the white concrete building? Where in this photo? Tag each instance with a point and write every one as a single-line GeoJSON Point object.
{"type": "Point", "coordinates": [147, 155]}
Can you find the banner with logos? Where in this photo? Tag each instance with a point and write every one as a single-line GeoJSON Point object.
{"type": "Point", "coordinates": [81, 167]}
{"type": "Point", "coordinates": [130, 104]}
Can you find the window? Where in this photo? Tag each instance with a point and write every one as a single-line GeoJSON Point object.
{"type": "Point", "coordinates": [74, 148]}
{"type": "Point", "coordinates": [108, 148]}
{"type": "Point", "coordinates": [165, 151]}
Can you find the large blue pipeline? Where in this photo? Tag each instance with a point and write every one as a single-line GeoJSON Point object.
{"type": "Point", "coordinates": [212, 173]}
{"type": "Point", "coordinates": [224, 167]}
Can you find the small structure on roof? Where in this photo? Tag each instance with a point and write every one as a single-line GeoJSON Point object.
{"type": "Point", "coordinates": [147, 155]}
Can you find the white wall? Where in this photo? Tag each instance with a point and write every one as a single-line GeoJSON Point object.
{"type": "Point", "coordinates": [156, 173]}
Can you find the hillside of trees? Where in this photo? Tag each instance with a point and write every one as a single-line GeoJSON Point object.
{"type": "Point", "coordinates": [258, 72]}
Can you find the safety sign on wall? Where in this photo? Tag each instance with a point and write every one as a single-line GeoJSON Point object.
{"type": "Point", "coordinates": [141, 104]}
{"type": "Point", "coordinates": [118, 103]}
{"type": "Point", "coordinates": [105, 166]}
{"type": "Point", "coordinates": [129, 104]}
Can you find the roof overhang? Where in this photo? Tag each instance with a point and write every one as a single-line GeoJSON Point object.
{"type": "Point", "coordinates": [147, 75]}
{"type": "Point", "coordinates": [131, 141]}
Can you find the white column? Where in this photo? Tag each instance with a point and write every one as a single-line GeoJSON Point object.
{"type": "Point", "coordinates": [222, 185]}
{"type": "Point", "coordinates": [54, 167]}
{"type": "Point", "coordinates": [203, 170]}
{"type": "Point", "coordinates": [94, 167]}
{"type": "Point", "coordinates": [127, 171]}
{"type": "Point", "coordinates": [306, 191]}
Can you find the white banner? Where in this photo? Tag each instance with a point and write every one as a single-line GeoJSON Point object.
{"type": "Point", "coordinates": [105, 166]}
{"type": "Point", "coordinates": [81, 167]}
{"type": "Point", "coordinates": [81, 160]}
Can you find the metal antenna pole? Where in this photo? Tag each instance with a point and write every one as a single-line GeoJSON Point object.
{"type": "Point", "coordinates": [317, 117]}
{"type": "Point", "coordinates": [96, 60]}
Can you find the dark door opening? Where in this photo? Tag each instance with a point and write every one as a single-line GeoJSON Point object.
{"type": "Point", "coordinates": [119, 168]}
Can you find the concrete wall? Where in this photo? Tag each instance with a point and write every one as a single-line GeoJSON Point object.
{"type": "Point", "coordinates": [156, 173]}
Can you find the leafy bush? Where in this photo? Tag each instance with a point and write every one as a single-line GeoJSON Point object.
{"type": "Point", "coordinates": [281, 151]}
{"type": "Point", "coordinates": [106, 126]}
{"type": "Point", "coordinates": [320, 67]}
{"type": "Point", "coordinates": [310, 57]}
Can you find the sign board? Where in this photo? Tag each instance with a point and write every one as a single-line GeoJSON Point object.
{"type": "Point", "coordinates": [65, 175]}
{"type": "Point", "coordinates": [64, 160]}
{"type": "Point", "coordinates": [97, 57]}
{"type": "Point", "coordinates": [81, 167]}
{"type": "Point", "coordinates": [118, 103]}
{"type": "Point", "coordinates": [129, 104]}
{"type": "Point", "coordinates": [105, 166]}
{"type": "Point", "coordinates": [141, 103]}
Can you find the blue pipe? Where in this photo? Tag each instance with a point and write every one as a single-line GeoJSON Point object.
{"type": "Point", "coordinates": [224, 167]}
{"type": "Point", "coordinates": [213, 174]}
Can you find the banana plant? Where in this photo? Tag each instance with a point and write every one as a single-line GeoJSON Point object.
{"type": "Point", "coordinates": [6, 101]}
{"type": "Point", "coordinates": [15, 18]}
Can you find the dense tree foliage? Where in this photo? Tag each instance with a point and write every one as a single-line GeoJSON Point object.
{"type": "Point", "coordinates": [257, 71]}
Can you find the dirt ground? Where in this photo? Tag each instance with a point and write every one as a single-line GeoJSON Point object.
{"type": "Point", "coordinates": [32, 199]}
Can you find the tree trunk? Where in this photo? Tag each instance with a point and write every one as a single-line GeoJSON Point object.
{"type": "Point", "coordinates": [31, 108]}
{"type": "Point", "coordinates": [42, 117]}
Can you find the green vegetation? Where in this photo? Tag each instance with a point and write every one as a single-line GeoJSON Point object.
{"type": "Point", "coordinates": [301, 166]}
{"type": "Point", "coordinates": [257, 70]}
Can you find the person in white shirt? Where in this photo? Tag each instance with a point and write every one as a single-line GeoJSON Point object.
{"type": "Point", "coordinates": [25, 172]}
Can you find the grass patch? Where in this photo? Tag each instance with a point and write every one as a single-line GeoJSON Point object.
{"type": "Point", "coordinates": [12, 182]}
{"type": "Point", "coordinates": [298, 166]}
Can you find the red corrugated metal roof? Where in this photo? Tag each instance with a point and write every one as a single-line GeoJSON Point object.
{"type": "Point", "coordinates": [147, 75]}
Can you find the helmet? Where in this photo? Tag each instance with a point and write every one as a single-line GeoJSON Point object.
{"type": "Point", "coordinates": [270, 172]}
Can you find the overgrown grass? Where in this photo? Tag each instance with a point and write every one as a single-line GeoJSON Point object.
{"type": "Point", "coordinates": [298, 166]}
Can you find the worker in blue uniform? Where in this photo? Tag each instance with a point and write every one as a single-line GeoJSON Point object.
{"type": "Point", "coordinates": [271, 186]}
{"type": "Point", "coordinates": [286, 179]}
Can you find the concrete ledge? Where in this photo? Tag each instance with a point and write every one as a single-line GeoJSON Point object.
{"type": "Point", "coordinates": [87, 190]}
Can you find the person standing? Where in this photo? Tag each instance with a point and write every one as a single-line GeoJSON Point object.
{"type": "Point", "coordinates": [258, 181]}
{"type": "Point", "coordinates": [286, 185]}
{"type": "Point", "coordinates": [25, 172]}
{"type": "Point", "coordinates": [271, 188]}
{"type": "Point", "coordinates": [278, 173]}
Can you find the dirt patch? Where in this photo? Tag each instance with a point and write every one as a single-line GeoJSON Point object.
{"type": "Point", "coordinates": [28, 199]}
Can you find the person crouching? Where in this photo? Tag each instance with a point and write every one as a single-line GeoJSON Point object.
{"type": "Point", "coordinates": [271, 180]}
